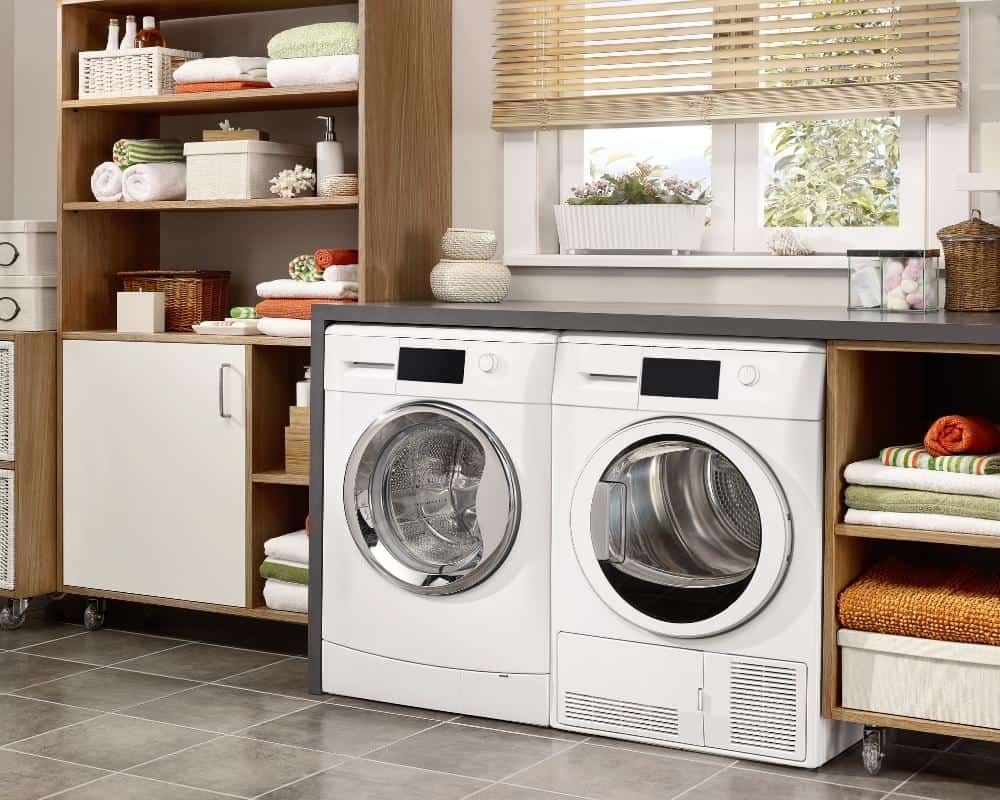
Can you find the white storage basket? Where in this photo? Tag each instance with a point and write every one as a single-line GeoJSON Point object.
{"type": "Point", "coordinates": [143, 72]}
{"type": "Point", "coordinates": [27, 303]}
{"type": "Point", "coordinates": [27, 247]}
{"type": "Point", "coordinates": [240, 170]}
{"type": "Point", "coordinates": [7, 530]}
{"type": "Point", "coordinates": [922, 678]}
{"type": "Point", "coordinates": [6, 401]}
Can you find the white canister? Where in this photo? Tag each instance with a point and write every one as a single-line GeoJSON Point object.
{"type": "Point", "coordinates": [27, 303]}
{"type": "Point", "coordinates": [302, 390]}
{"type": "Point", "coordinates": [27, 247]}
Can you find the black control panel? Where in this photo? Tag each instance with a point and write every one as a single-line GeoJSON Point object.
{"type": "Point", "coordinates": [431, 365]}
{"type": "Point", "coordinates": [680, 377]}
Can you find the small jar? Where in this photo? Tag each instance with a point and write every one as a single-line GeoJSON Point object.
{"type": "Point", "coordinates": [865, 279]}
{"type": "Point", "coordinates": [910, 280]}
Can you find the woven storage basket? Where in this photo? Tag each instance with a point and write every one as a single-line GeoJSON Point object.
{"type": "Point", "coordinates": [345, 185]}
{"type": "Point", "coordinates": [469, 244]}
{"type": "Point", "coordinates": [190, 296]}
{"type": "Point", "coordinates": [143, 72]}
{"type": "Point", "coordinates": [972, 261]}
{"type": "Point", "coordinates": [470, 281]}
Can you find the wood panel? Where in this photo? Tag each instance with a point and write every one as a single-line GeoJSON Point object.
{"type": "Point", "coordinates": [982, 540]}
{"type": "Point", "coordinates": [405, 145]}
{"type": "Point", "coordinates": [245, 100]}
{"type": "Point", "coordinates": [265, 204]}
{"type": "Point", "coordinates": [187, 338]}
{"type": "Point", "coordinates": [275, 510]}
{"type": "Point", "coordinates": [915, 724]}
{"type": "Point", "coordinates": [183, 9]}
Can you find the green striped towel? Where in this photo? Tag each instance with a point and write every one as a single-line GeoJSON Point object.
{"type": "Point", "coordinates": [911, 501]}
{"type": "Point", "coordinates": [914, 456]}
{"type": "Point", "coordinates": [129, 152]}
{"type": "Point", "coordinates": [321, 39]}
{"type": "Point", "coordinates": [243, 312]}
{"type": "Point", "coordinates": [284, 571]}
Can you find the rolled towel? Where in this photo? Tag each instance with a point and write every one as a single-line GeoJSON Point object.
{"type": "Point", "coordinates": [339, 274]}
{"type": "Point", "coordinates": [129, 152]}
{"type": "Point", "coordinates": [329, 257]}
{"type": "Point", "coordinates": [285, 328]}
{"type": "Point", "coordinates": [319, 39]}
{"type": "Point", "coordinates": [293, 547]}
{"type": "Point", "coordinates": [243, 312]}
{"type": "Point", "coordinates": [106, 183]}
{"type": "Point", "coordinates": [283, 596]}
{"type": "Point", "coordinates": [303, 268]}
{"type": "Point", "coordinates": [955, 434]}
{"type": "Point", "coordinates": [320, 71]}
{"type": "Point", "coordinates": [292, 309]}
{"type": "Point", "coordinates": [287, 288]}
{"type": "Point", "coordinates": [284, 571]}
{"type": "Point", "coordinates": [229, 68]}
{"type": "Point", "coordinates": [221, 86]}
{"type": "Point", "coordinates": [147, 183]}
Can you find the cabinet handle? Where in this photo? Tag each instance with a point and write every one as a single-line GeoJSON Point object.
{"type": "Point", "coordinates": [15, 254]}
{"type": "Point", "coordinates": [16, 309]}
{"type": "Point", "coordinates": [222, 391]}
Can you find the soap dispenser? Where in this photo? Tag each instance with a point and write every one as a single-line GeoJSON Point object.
{"type": "Point", "coordinates": [329, 155]}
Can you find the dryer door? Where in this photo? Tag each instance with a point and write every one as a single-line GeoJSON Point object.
{"type": "Point", "coordinates": [432, 498]}
{"type": "Point", "coordinates": [680, 527]}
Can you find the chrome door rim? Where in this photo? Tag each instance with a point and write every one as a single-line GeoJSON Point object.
{"type": "Point", "coordinates": [357, 481]}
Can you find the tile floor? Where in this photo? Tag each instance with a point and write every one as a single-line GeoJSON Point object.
{"type": "Point", "coordinates": [114, 715]}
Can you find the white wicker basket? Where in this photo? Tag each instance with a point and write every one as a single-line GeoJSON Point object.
{"type": "Point", "coordinates": [6, 401]}
{"type": "Point", "coordinates": [239, 170]}
{"type": "Point", "coordinates": [7, 530]}
{"type": "Point", "coordinates": [470, 281]}
{"type": "Point", "coordinates": [469, 244]}
{"type": "Point", "coordinates": [345, 185]}
{"type": "Point", "coordinates": [143, 72]}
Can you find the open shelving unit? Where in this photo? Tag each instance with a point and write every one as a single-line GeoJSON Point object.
{"type": "Point", "coordinates": [403, 102]}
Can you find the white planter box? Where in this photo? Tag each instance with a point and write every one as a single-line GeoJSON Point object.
{"type": "Point", "coordinates": [239, 170]}
{"type": "Point", "coordinates": [27, 247]}
{"type": "Point", "coordinates": [626, 228]}
{"type": "Point", "coordinates": [923, 678]}
{"type": "Point", "coordinates": [27, 303]}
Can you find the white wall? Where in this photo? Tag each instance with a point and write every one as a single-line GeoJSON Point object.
{"type": "Point", "coordinates": [6, 117]}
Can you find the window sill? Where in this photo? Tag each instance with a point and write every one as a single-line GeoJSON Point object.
{"type": "Point", "coordinates": [727, 261]}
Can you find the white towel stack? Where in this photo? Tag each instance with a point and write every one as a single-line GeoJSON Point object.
{"type": "Point", "coordinates": [291, 549]}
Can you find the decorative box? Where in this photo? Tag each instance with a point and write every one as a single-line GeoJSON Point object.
{"type": "Point", "coordinates": [27, 247]}
{"type": "Point", "coordinates": [240, 170]}
{"type": "Point", "coordinates": [27, 302]}
{"type": "Point", "coordinates": [141, 312]}
{"type": "Point", "coordinates": [143, 72]}
{"type": "Point", "coordinates": [893, 280]}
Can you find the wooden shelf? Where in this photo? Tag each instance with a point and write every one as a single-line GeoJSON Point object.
{"type": "Point", "coordinates": [878, 719]}
{"type": "Point", "coordinates": [184, 9]}
{"type": "Point", "coordinates": [263, 612]}
{"type": "Point", "coordinates": [266, 204]}
{"type": "Point", "coordinates": [186, 338]}
{"type": "Point", "coordinates": [281, 478]}
{"type": "Point", "coordinates": [911, 535]}
{"type": "Point", "coordinates": [246, 100]}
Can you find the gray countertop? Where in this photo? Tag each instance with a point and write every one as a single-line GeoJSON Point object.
{"type": "Point", "coordinates": [779, 322]}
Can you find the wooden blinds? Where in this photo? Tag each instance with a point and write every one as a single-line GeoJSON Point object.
{"type": "Point", "coordinates": [577, 63]}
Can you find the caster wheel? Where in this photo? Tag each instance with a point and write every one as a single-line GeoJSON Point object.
{"type": "Point", "coordinates": [93, 615]}
{"type": "Point", "coordinates": [872, 750]}
{"type": "Point", "coordinates": [12, 615]}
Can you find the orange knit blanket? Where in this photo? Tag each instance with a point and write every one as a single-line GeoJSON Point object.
{"type": "Point", "coordinates": [220, 86]}
{"type": "Point", "coordinates": [291, 309]}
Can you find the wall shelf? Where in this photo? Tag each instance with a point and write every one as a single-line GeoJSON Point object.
{"type": "Point", "coordinates": [910, 535]}
{"type": "Point", "coordinates": [185, 338]}
{"type": "Point", "coordinates": [280, 478]}
{"type": "Point", "coordinates": [210, 102]}
{"type": "Point", "coordinates": [184, 9]}
{"type": "Point", "coordinates": [263, 204]}
{"type": "Point", "coordinates": [978, 182]}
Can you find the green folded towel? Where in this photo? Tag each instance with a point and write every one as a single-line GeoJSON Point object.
{"type": "Point", "coordinates": [284, 572]}
{"type": "Point", "coordinates": [909, 501]}
{"type": "Point", "coordinates": [129, 152]}
{"type": "Point", "coordinates": [321, 39]}
{"type": "Point", "coordinates": [914, 456]}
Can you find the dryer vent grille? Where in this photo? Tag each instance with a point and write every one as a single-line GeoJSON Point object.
{"type": "Point", "coordinates": [588, 710]}
{"type": "Point", "coordinates": [765, 706]}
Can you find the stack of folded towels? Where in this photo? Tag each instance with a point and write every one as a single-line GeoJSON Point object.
{"type": "Point", "coordinates": [950, 483]}
{"type": "Point", "coordinates": [327, 276]}
{"type": "Point", "coordinates": [141, 171]}
{"type": "Point", "coordinates": [229, 74]}
{"type": "Point", "coordinates": [285, 571]}
{"type": "Point", "coordinates": [313, 55]}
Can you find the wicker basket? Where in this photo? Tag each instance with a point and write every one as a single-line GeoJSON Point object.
{"type": "Point", "coordinates": [143, 72]}
{"type": "Point", "coordinates": [190, 296]}
{"type": "Point", "coordinates": [469, 244]}
{"type": "Point", "coordinates": [338, 186]}
{"type": "Point", "coordinates": [972, 261]}
{"type": "Point", "coordinates": [470, 281]}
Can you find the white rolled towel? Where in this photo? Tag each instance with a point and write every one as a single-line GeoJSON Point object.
{"type": "Point", "coordinates": [286, 328]}
{"type": "Point", "coordinates": [106, 183]}
{"type": "Point", "coordinates": [338, 274]}
{"type": "Point", "coordinates": [216, 70]}
{"type": "Point", "coordinates": [312, 290]}
{"type": "Point", "coordinates": [316, 71]}
{"type": "Point", "coordinates": [147, 183]}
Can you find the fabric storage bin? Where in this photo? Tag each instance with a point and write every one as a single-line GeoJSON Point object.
{"type": "Point", "coordinates": [27, 247]}
{"type": "Point", "coordinates": [239, 170]}
{"type": "Point", "coordinates": [143, 72]}
{"type": "Point", "coordinates": [7, 530]}
{"type": "Point", "coordinates": [27, 303]}
{"type": "Point", "coordinates": [922, 678]}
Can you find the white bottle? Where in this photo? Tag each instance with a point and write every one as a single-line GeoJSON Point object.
{"type": "Point", "coordinates": [329, 158]}
{"type": "Point", "coordinates": [128, 40]}
{"type": "Point", "coordinates": [113, 33]}
{"type": "Point", "coordinates": [302, 390]}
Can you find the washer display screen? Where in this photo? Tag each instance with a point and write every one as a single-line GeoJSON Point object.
{"type": "Point", "coordinates": [680, 377]}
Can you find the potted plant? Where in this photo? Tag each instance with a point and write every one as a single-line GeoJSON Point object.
{"type": "Point", "coordinates": [640, 209]}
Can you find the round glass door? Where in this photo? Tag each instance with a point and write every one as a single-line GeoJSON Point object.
{"type": "Point", "coordinates": [681, 527]}
{"type": "Point", "coordinates": [432, 499]}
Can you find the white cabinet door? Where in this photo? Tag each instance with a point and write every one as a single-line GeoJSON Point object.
{"type": "Point", "coordinates": [154, 469]}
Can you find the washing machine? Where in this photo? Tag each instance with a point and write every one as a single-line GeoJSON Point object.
{"type": "Point", "coordinates": [688, 545]}
{"type": "Point", "coordinates": [437, 513]}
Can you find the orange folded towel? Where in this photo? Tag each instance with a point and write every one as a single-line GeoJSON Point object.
{"type": "Point", "coordinates": [291, 309]}
{"type": "Point", "coordinates": [955, 435]}
{"type": "Point", "coordinates": [220, 86]}
{"type": "Point", "coordinates": [326, 257]}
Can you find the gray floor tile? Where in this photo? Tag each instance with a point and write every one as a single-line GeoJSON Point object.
{"type": "Point", "coordinates": [957, 777]}
{"type": "Point", "coordinates": [357, 702]}
{"type": "Point", "coordinates": [502, 791]}
{"type": "Point", "coordinates": [608, 773]}
{"type": "Point", "coordinates": [737, 784]}
{"type": "Point", "coordinates": [238, 766]}
{"type": "Point", "coordinates": [661, 750]}
{"type": "Point", "coordinates": [21, 718]}
{"type": "Point", "coordinates": [112, 742]}
{"type": "Point", "coordinates": [201, 662]}
{"type": "Point", "coordinates": [129, 787]}
{"type": "Point", "coordinates": [972, 747]}
{"type": "Point", "coordinates": [103, 647]}
{"type": "Point", "coordinates": [474, 752]}
{"type": "Point", "coordinates": [339, 729]}
{"type": "Point", "coordinates": [286, 677]}
{"type": "Point", "coordinates": [18, 670]}
{"type": "Point", "coordinates": [516, 727]}
{"type": "Point", "coordinates": [107, 689]}
{"type": "Point", "coordinates": [928, 741]}
{"type": "Point", "coordinates": [36, 632]}
{"type": "Point", "coordinates": [369, 780]}
{"type": "Point", "coordinates": [28, 778]}
{"type": "Point", "coordinates": [218, 708]}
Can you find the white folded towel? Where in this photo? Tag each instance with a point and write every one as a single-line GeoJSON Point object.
{"type": "Point", "coordinates": [873, 472]}
{"type": "Point", "coordinates": [282, 596]}
{"type": "Point", "coordinates": [293, 547]}
{"type": "Point", "coordinates": [106, 182]}
{"type": "Point", "coordinates": [147, 183]}
{"type": "Point", "coordinates": [337, 274]}
{"type": "Point", "coordinates": [215, 70]}
{"type": "Point", "coordinates": [922, 522]}
{"type": "Point", "coordinates": [312, 290]}
{"type": "Point", "coordinates": [285, 328]}
{"type": "Point", "coordinates": [316, 71]}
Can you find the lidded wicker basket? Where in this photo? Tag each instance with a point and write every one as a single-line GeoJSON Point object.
{"type": "Point", "coordinates": [972, 260]}
{"type": "Point", "coordinates": [190, 296]}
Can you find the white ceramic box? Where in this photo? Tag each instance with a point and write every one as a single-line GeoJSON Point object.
{"type": "Point", "coordinates": [239, 170]}
{"type": "Point", "coordinates": [27, 247]}
{"type": "Point", "coordinates": [27, 302]}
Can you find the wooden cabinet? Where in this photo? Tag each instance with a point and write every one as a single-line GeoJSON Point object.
{"type": "Point", "coordinates": [154, 469]}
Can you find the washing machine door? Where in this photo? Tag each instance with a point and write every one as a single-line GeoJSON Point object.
{"type": "Point", "coordinates": [432, 499]}
{"type": "Point", "coordinates": [680, 527]}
